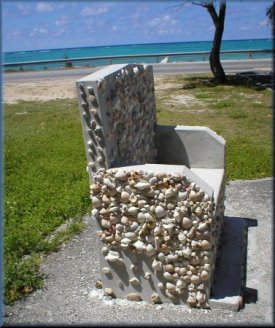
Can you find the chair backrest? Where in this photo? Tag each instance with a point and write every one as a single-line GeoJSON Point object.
{"type": "Point", "coordinates": [117, 108]}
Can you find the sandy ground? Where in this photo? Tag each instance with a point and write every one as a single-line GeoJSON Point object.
{"type": "Point", "coordinates": [39, 90]}
{"type": "Point", "coordinates": [52, 89]}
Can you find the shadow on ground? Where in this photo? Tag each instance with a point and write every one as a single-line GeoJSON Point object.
{"type": "Point", "coordinates": [230, 273]}
{"type": "Point", "coordinates": [251, 79]}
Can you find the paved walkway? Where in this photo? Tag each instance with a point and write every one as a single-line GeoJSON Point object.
{"type": "Point", "coordinates": [70, 296]}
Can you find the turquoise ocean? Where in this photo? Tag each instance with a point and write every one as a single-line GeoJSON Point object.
{"type": "Point", "coordinates": [137, 49]}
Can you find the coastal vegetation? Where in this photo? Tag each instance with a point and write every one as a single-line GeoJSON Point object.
{"type": "Point", "coordinates": [46, 184]}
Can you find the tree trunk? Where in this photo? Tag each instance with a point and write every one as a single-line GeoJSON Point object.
{"type": "Point", "coordinates": [214, 58]}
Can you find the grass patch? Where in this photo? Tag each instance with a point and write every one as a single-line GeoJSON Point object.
{"type": "Point", "coordinates": [240, 112]}
{"type": "Point", "coordinates": [45, 185]}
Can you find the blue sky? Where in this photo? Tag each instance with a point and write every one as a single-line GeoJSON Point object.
{"type": "Point", "coordinates": [30, 25]}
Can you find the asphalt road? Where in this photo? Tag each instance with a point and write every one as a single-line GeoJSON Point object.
{"type": "Point", "coordinates": [230, 66]}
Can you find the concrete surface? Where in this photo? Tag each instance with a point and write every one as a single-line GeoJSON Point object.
{"type": "Point", "coordinates": [70, 297]}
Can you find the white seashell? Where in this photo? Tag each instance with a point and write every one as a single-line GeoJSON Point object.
{"type": "Point", "coordinates": [191, 233]}
{"type": "Point", "coordinates": [186, 223]}
{"type": "Point", "coordinates": [201, 297]}
{"type": "Point", "coordinates": [147, 275]}
{"type": "Point", "coordinates": [168, 276]}
{"type": "Point", "coordinates": [104, 212]}
{"type": "Point", "coordinates": [155, 299]}
{"type": "Point", "coordinates": [133, 267]}
{"type": "Point", "coordinates": [161, 196]}
{"type": "Point", "coordinates": [104, 250]}
{"type": "Point", "coordinates": [114, 258]}
{"type": "Point", "coordinates": [194, 196]}
{"type": "Point", "coordinates": [118, 236]}
{"type": "Point", "coordinates": [169, 192]}
{"type": "Point", "coordinates": [130, 235]}
{"type": "Point", "coordinates": [139, 245]}
{"type": "Point", "coordinates": [158, 242]}
{"type": "Point", "coordinates": [114, 219]}
{"type": "Point", "coordinates": [195, 244]}
{"type": "Point", "coordinates": [106, 270]}
{"type": "Point", "coordinates": [134, 297]}
{"type": "Point", "coordinates": [161, 257]}
{"type": "Point", "coordinates": [133, 210]}
{"type": "Point", "coordinates": [96, 202]}
{"type": "Point", "coordinates": [125, 220]}
{"type": "Point", "coordinates": [181, 284]}
{"type": "Point", "coordinates": [205, 244]}
{"type": "Point", "coordinates": [125, 242]}
{"type": "Point", "coordinates": [134, 281]}
{"type": "Point", "coordinates": [182, 238]}
{"type": "Point", "coordinates": [169, 268]}
{"type": "Point", "coordinates": [141, 217]}
{"type": "Point", "coordinates": [204, 275]}
{"type": "Point", "coordinates": [172, 257]}
{"type": "Point", "coordinates": [195, 279]}
{"type": "Point", "coordinates": [109, 292]}
{"type": "Point", "coordinates": [106, 200]}
{"type": "Point", "coordinates": [150, 239]}
{"type": "Point", "coordinates": [108, 183]}
{"type": "Point", "coordinates": [169, 228]}
{"type": "Point", "coordinates": [156, 265]}
{"type": "Point", "coordinates": [182, 271]}
{"type": "Point", "coordinates": [134, 226]}
{"type": "Point", "coordinates": [119, 189]}
{"type": "Point", "coordinates": [141, 203]}
{"type": "Point", "coordinates": [207, 266]}
{"type": "Point", "coordinates": [182, 195]}
{"type": "Point", "coordinates": [121, 176]}
{"type": "Point", "coordinates": [119, 227]}
{"type": "Point", "coordinates": [105, 223]}
{"type": "Point", "coordinates": [157, 231]}
{"type": "Point", "coordinates": [149, 217]}
{"type": "Point", "coordinates": [170, 287]}
{"type": "Point", "coordinates": [202, 226]}
{"type": "Point", "coordinates": [95, 187]}
{"type": "Point", "coordinates": [142, 185]}
{"type": "Point", "coordinates": [149, 250]}
{"type": "Point", "coordinates": [125, 196]}
{"type": "Point", "coordinates": [198, 212]}
{"type": "Point", "coordinates": [160, 212]}
{"type": "Point", "coordinates": [153, 181]}
{"type": "Point", "coordinates": [95, 212]}
{"type": "Point", "coordinates": [177, 216]}
{"type": "Point", "coordinates": [186, 252]}
{"type": "Point", "coordinates": [160, 285]}
{"type": "Point", "coordinates": [206, 198]}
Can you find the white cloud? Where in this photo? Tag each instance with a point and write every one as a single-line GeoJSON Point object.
{"type": "Point", "coordinates": [90, 25]}
{"type": "Point", "coordinates": [164, 25]}
{"type": "Point", "coordinates": [164, 21]}
{"type": "Point", "coordinates": [94, 11]}
{"type": "Point", "coordinates": [61, 31]}
{"type": "Point", "coordinates": [42, 7]}
{"type": "Point", "coordinates": [62, 21]}
{"type": "Point", "coordinates": [264, 22]}
{"type": "Point", "coordinates": [23, 8]}
{"type": "Point", "coordinates": [37, 30]}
